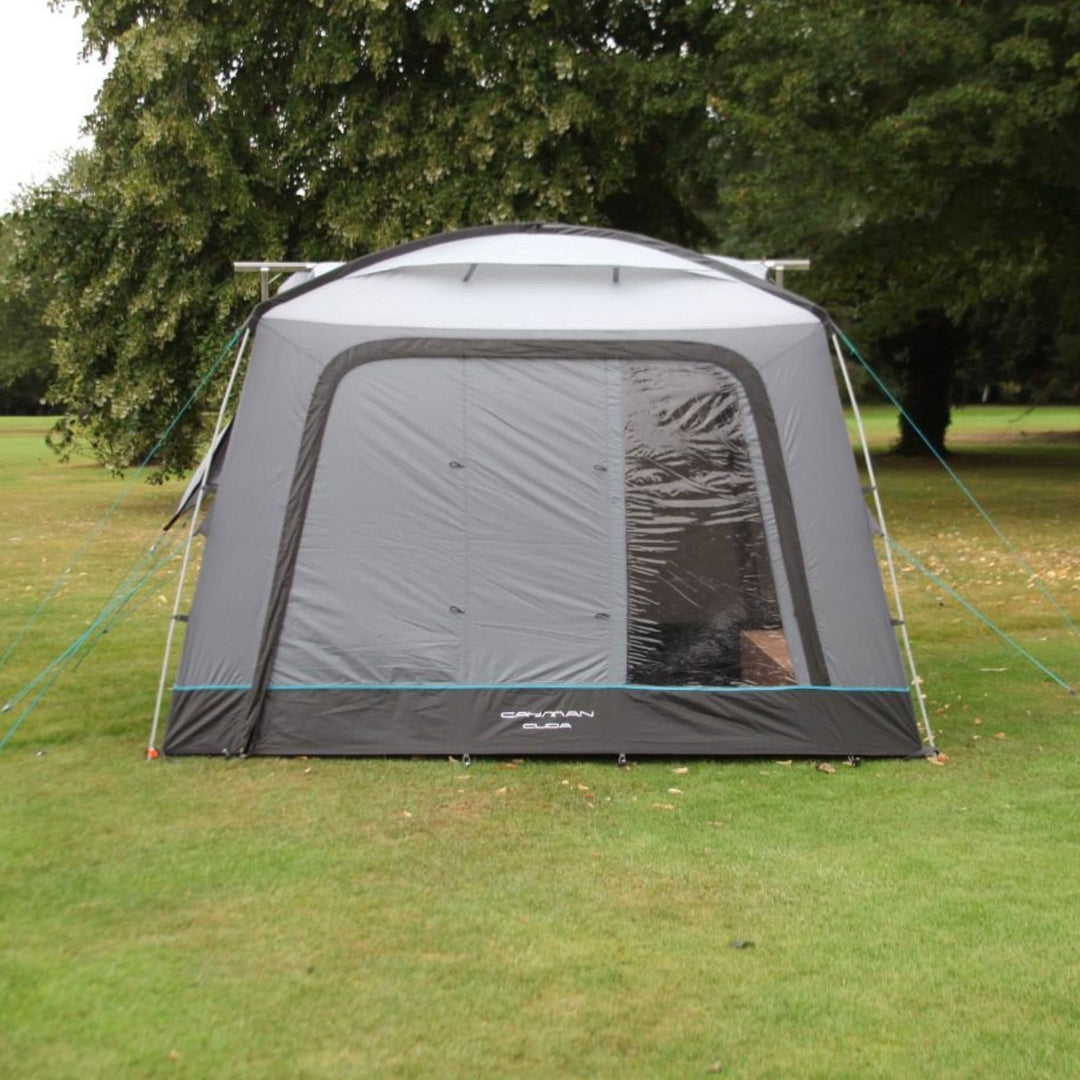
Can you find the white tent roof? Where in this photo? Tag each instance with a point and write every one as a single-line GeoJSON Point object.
{"type": "Point", "coordinates": [543, 249]}
{"type": "Point", "coordinates": [534, 281]}
{"type": "Point", "coordinates": [529, 299]}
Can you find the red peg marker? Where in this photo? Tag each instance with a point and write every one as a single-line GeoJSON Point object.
{"type": "Point", "coordinates": [151, 754]}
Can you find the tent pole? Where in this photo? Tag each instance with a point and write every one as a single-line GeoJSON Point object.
{"type": "Point", "coordinates": [901, 622]}
{"type": "Point", "coordinates": [151, 750]}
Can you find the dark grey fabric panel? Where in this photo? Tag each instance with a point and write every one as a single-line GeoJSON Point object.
{"type": "Point", "coordinates": [588, 721]}
{"type": "Point", "coordinates": [319, 411]}
{"type": "Point", "coordinates": [200, 721]}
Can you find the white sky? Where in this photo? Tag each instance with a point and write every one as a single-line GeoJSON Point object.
{"type": "Point", "coordinates": [45, 91]}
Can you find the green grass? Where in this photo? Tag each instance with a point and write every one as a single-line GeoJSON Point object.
{"type": "Point", "coordinates": [989, 425]}
{"type": "Point", "coordinates": [392, 919]}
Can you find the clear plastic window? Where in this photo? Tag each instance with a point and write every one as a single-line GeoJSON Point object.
{"type": "Point", "coordinates": [702, 602]}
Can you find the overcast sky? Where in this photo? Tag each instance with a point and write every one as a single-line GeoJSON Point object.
{"type": "Point", "coordinates": [45, 91]}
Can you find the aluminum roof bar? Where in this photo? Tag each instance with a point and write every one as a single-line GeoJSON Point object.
{"type": "Point", "coordinates": [777, 267]}
{"type": "Point", "coordinates": [265, 269]}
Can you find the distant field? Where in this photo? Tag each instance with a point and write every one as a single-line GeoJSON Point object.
{"type": "Point", "coordinates": [991, 424]}
{"type": "Point", "coordinates": [404, 919]}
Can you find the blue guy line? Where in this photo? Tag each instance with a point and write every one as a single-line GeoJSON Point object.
{"type": "Point", "coordinates": [984, 619]}
{"type": "Point", "coordinates": [115, 608]}
{"type": "Point", "coordinates": [123, 593]}
{"type": "Point", "coordinates": [1010, 546]}
{"type": "Point", "coordinates": [36, 614]}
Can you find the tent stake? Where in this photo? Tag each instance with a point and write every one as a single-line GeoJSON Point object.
{"type": "Point", "coordinates": [176, 617]}
{"type": "Point", "coordinates": [900, 622]}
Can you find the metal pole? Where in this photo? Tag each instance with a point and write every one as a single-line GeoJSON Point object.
{"type": "Point", "coordinates": [151, 749]}
{"type": "Point", "coordinates": [901, 623]}
{"type": "Point", "coordinates": [267, 267]}
{"type": "Point", "coordinates": [777, 267]}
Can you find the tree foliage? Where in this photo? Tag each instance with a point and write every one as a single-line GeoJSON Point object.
{"type": "Point", "coordinates": [924, 154]}
{"type": "Point", "coordinates": [26, 367]}
{"type": "Point", "coordinates": [279, 129]}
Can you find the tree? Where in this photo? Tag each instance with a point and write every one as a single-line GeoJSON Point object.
{"type": "Point", "coordinates": [278, 129]}
{"type": "Point", "coordinates": [26, 367]}
{"type": "Point", "coordinates": [924, 154]}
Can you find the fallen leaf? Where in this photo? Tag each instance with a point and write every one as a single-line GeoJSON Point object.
{"type": "Point", "coordinates": [681, 771]}
{"type": "Point", "coordinates": [307, 770]}
{"type": "Point", "coordinates": [663, 806]}
{"type": "Point", "coordinates": [715, 1067]}
{"type": "Point", "coordinates": [825, 766]}
{"type": "Point", "coordinates": [788, 762]}
{"type": "Point", "coordinates": [1000, 735]}
{"type": "Point", "coordinates": [674, 791]}
{"type": "Point", "coordinates": [406, 813]}
{"type": "Point", "coordinates": [717, 824]}
{"type": "Point", "coordinates": [500, 791]}
{"type": "Point", "coordinates": [583, 787]}
{"type": "Point", "coordinates": [173, 1055]}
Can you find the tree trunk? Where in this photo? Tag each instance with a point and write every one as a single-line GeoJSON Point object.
{"type": "Point", "coordinates": [931, 359]}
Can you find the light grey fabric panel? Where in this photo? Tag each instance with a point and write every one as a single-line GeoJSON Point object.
{"type": "Point", "coordinates": [379, 587]}
{"type": "Point", "coordinates": [842, 570]}
{"type": "Point", "coordinates": [325, 340]}
{"type": "Point", "coordinates": [615, 462]}
{"type": "Point", "coordinates": [222, 639]}
{"type": "Point", "coordinates": [458, 530]}
{"type": "Point", "coordinates": [577, 351]}
{"type": "Point", "coordinates": [538, 547]}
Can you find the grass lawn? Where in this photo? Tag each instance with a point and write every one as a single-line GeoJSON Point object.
{"type": "Point", "coordinates": [392, 919]}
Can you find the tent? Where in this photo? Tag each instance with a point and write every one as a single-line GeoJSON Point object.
{"type": "Point", "coordinates": [538, 489]}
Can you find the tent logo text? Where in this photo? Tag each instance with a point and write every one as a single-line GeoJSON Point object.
{"type": "Point", "coordinates": [549, 719]}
